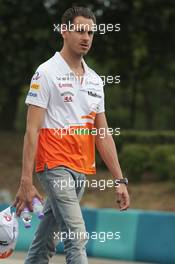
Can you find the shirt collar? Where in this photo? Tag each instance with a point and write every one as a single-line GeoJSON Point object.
{"type": "Point", "coordinates": [65, 67]}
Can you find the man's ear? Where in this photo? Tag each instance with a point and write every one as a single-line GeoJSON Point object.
{"type": "Point", "coordinates": [63, 30]}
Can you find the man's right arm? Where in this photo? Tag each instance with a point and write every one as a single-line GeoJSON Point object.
{"type": "Point", "coordinates": [27, 190]}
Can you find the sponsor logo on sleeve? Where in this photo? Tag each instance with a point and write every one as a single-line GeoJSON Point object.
{"type": "Point", "coordinates": [32, 94]}
{"type": "Point", "coordinates": [35, 86]}
{"type": "Point", "coordinates": [94, 107]}
{"type": "Point", "coordinates": [36, 76]}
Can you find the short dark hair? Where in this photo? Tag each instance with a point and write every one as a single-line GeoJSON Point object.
{"type": "Point", "coordinates": [71, 13]}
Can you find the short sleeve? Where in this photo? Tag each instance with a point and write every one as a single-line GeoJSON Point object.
{"type": "Point", "coordinates": [39, 90]}
{"type": "Point", "coordinates": [101, 104]}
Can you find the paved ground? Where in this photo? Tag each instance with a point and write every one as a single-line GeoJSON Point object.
{"type": "Point", "coordinates": [18, 258]}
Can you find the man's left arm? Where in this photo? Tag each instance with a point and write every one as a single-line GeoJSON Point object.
{"type": "Point", "coordinates": [107, 150]}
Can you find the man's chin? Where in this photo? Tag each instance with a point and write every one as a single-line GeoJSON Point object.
{"type": "Point", "coordinates": [84, 53]}
{"type": "Point", "coordinates": [80, 52]}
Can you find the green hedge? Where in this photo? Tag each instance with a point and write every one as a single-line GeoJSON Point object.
{"type": "Point", "coordinates": [171, 166]}
{"type": "Point", "coordinates": [161, 158]}
{"type": "Point", "coordinates": [158, 161]}
{"type": "Point", "coordinates": [145, 154]}
{"type": "Point", "coordinates": [144, 137]}
{"type": "Point", "coordinates": [135, 160]}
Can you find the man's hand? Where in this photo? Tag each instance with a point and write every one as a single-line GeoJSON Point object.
{"type": "Point", "coordinates": [122, 197]}
{"type": "Point", "coordinates": [108, 153]}
{"type": "Point", "coordinates": [27, 190]}
{"type": "Point", "coordinates": [25, 194]}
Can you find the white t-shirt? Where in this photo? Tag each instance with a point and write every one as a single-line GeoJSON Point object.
{"type": "Point", "coordinates": [66, 137]}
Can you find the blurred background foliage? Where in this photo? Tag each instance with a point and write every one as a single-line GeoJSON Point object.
{"type": "Point", "coordinates": [142, 53]}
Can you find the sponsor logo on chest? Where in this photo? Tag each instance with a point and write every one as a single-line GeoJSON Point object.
{"type": "Point", "coordinates": [67, 97]}
{"type": "Point", "coordinates": [65, 85]}
{"type": "Point", "coordinates": [94, 94]}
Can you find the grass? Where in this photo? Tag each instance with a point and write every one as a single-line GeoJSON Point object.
{"type": "Point", "coordinates": [145, 195]}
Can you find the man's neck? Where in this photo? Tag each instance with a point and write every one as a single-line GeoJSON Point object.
{"type": "Point", "coordinates": [74, 61]}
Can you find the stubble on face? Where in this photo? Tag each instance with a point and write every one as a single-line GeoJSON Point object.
{"type": "Point", "coordinates": [79, 38]}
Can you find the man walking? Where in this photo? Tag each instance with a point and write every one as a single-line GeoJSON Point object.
{"type": "Point", "coordinates": [65, 97]}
